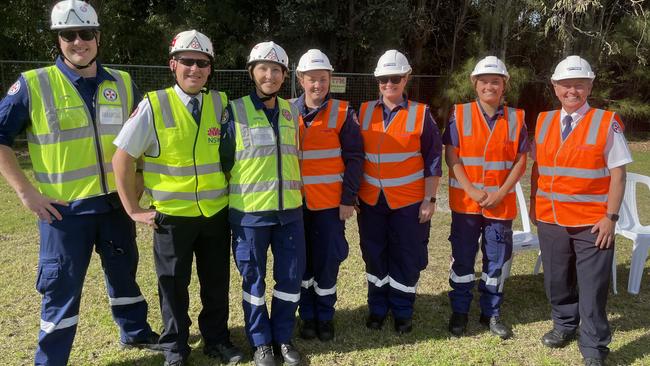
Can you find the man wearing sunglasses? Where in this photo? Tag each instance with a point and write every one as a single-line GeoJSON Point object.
{"type": "Point", "coordinates": [176, 131]}
{"type": "Point", "coordinates": [71, 112]}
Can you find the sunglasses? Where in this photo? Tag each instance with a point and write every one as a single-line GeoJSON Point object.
{"type": "Point", "coordinates": [71, 35]}
{"type": "Point", "coordinates": [395, 79]}
{"type": "Point", "coordinates": [189, 62]}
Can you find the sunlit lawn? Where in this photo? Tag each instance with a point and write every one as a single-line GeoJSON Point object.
{"type": "Point", "coordinates": [525, 307]}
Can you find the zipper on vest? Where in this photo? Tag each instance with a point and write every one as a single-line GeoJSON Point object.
{"type": "Point", "coordinates": [98, 144]}
{"type": "Point", "coordinates": [196, 173]}
{"type": "Point", "coordinates": [279, 158]}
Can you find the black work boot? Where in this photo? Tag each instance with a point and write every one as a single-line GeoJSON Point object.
{"type": "Point", "coordinates": [150, 343]}
{"type": "Point", "coordinates": [326, 330]}
{"type": "Point", "coordinates": [263, 356]}
{"type": "Point", "coordinates": [290, 354]}
{"type": "Point", "coordinates": [226, 351]}
{"type": "Point", "coordinates": [375, 321]}
{"type": "Point", "coordinates": [557, 339]}
{"type": "Point", "coordinates": [308, 329]}
{"type": "Point", "coordinates": [458, 324]}
{"type": "Point", "coordinates": [496, 326]}
{"type": "Point", "coordinates": [403, 325]}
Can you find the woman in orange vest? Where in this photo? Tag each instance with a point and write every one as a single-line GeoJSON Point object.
{"type": "Point", "coordinates": [398, 193]}
{"type": "Point", "coordinates": [485, 149]}
{"type": "Point", "coordinates": [331, 166]}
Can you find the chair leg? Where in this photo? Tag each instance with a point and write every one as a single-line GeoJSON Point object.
{"type": "Point", "coordinates": [639, 256]}
{"type": "Point", "coordinates": [538, 264]}
{"type": "Point", "coordinates": [614, 273]}
{"type": "Point", "coordinates": [505, 270]}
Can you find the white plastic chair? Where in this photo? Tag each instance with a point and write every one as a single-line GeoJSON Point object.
{"type": "Point", "coordinates": [527, 240]}
{"type": "Point", "coordinates": [630, 227]}
{"type": "Point", "coordinates": [522, 240]}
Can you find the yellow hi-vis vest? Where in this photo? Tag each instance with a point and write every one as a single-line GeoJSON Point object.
{"type": "Point", "coordinates": [266, 173]}
{"type": "Point", "coordinates": [70, 154]}
{"type": "Point", "coordinates": [186, 179]}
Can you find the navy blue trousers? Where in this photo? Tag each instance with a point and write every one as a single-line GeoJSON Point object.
{"type": "Point", "coordinates": [394, 248]}
{"type": "Point", "coordinates": [576, 280]}
{"type": "Point", "coordinates": [496, 246]}
{"type": "Point", "coordinates": [250, 246]}
{"type": "Point", "coordinates": [326, 249]}
{"type": "Point", "coordinates": [65, 250]}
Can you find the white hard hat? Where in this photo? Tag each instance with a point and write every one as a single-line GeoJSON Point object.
{"type": "Point", "coordinates": [314, 60]}
{"type": "Point", "coordinates": [490, 65]}
{"type": "Point", "coordinates": [573, 67]}
{"type": "Point", "coordinates": [392, 62]}
{"type": "Point", "coordinates": [69, 14]}
{"type": "Point", "coordinates": [269, 52]}
{"type": "Point", "coordinates": [191, 40]}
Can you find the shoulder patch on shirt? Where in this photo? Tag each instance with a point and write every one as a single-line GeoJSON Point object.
{"type": "Point", "coordinates": [355, 119]}
{"type": "Point", "coordinates": [225, 116]}
{"type": "Point", "coordinates": [617, 127]}
{"type": "Point", "coordinates": [15, 88]}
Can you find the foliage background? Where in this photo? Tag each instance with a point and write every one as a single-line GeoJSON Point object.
{"type": "Point", "coordinates": [443, 37]}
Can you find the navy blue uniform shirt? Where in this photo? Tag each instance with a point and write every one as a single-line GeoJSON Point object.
{"type": "Point", "coordinates": [14, 119]}
{"type": "Point", "coordinates": [450, 136]}
{"type": "Point", "coordinates": [430, 141]}
{"type": "Point", "coordinates": [227, 157]}
{"type": "Point", "coordinates": [351, 147]}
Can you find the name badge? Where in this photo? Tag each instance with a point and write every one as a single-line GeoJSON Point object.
{"type": "Point", "coordinates": [109, 115]}
{"type": "Point", "coordinates": [263, 136]}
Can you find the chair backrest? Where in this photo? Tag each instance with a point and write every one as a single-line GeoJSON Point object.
{"type": "Point", "coordinates": [523, 208]}
{"type": "Point", "coordinates": [629, 214]}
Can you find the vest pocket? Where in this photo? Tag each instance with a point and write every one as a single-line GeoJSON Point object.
{"type": "Point", "coordinates": [287, 135]}
{"type": "Point", "coordinates": [72, 117]}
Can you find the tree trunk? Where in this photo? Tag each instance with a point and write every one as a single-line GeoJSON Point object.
{"type": "Point", "coordinates": [457, 28]}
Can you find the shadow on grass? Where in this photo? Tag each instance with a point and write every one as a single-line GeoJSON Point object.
{"type": "Point", "coordinates": [524, 303]}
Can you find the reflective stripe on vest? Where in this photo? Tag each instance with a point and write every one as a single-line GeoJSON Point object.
{"type": "Point", "coordinates": [573, 183]}
{"type": "Point", "coordinates": [62, 136]}
{"type": "Point", "coordinates": [186, 178]}
{"type": "Point", "coordinates": [321, 163]}
{"type": "Point", "coordinates": [266, 173]}
{"type": "Point", "coordinates": [488, 156]}
{"type": "Point", "coordinates": [393, 159]}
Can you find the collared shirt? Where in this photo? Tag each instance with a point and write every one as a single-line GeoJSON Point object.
{"type": "Point", "coordinates": [616, 151]}
{"type": "Point", "coordinates": [430, 141]}
{"type": "Point", "coordinates": [227, 152]}
{"type": "Point", "coordinates": [138, 136]}
{"type": "Point", "coordinates": [351, 147]}
{"type": "Point", "coordinates": [14, 119]}
{"type": "Point", "coordinates": [450, 136]}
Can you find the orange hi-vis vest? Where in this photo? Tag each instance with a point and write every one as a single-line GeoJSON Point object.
{"type": "Point", "coordinates": [321, 163]}
{"type": "Point", "coordinates": [573, 183]}
{"type": "Point", "coordinates": [487, 157]}
{"type": "Point", "coordinates": [393, 160]}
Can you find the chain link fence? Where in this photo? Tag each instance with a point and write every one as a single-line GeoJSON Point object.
{"type": "Point", "coordinates": [356, 89]}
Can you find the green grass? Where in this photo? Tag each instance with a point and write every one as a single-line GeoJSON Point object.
{"type": "Point", "coordinates": [525, 307]}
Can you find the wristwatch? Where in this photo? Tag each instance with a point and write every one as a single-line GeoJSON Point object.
{"type": "Point", "coordinates": [429, 199]}
{"type": "Point", "coordinates": [612, 216]}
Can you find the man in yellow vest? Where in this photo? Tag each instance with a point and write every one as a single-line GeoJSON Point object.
{"type": "Point", "coordinates": [577, 186]}
{"type": "Point", "coordinates": [176, 132]}
{"type": "Point", "coordinates": [260, 150]}
{"type": "Point", "coordinates": [71, 112]}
